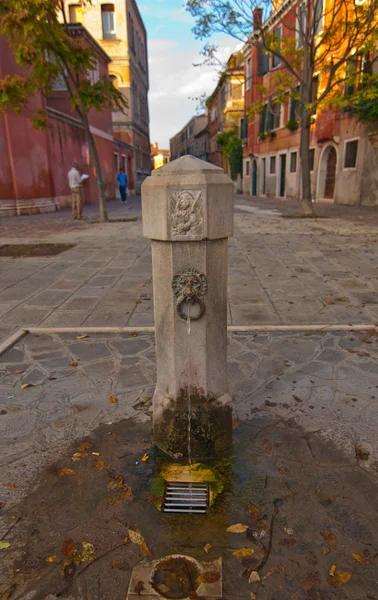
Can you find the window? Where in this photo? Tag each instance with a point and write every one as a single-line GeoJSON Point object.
{"type": "Point", "coordinates": [264, 60]}
{"type": "Point", "coordinates": [59, 84]}
{"type": "Point", "coordinates": [318, 16]}
{"type": "Point", "coordinates": [191, 130]}
{"type": "Point", "coordinates": [312, 158]}
{"type": "Point", "coordinates": [293, 162]}
{"type": "Point", "coordinates": [108, 21]}
{"type": "Point", "coordinates": [116, 161]}
{"type": "Point", "coordinates": [247, 167]}
{"type": "Point", "coordinates": [276, 61]}
{"type": "Point", "coordinates": [272, 165]}
{"type": "Point", "coordinates": [263, 114]}
{"type": "Point", "coordinates": [358, 70]}
{"type": "Point", "coordinates": [249, 73]}
{"type": "Point", "coordinates": [94, 74]}
{"type": "Point", "coordinates": [350, 157]}
{"type": "Point", "coordinates": [301, 25]}
{"type": "Point", "coordinates": [124, 162]}
{"type": "Point", "coordinates": [237, 91]}
{"type": "Point", "coordinates": [314, 91]}
{"type": "Point", "coordinates": [276, 110]}
{"type": "Point", "coordinates": [75, 13]}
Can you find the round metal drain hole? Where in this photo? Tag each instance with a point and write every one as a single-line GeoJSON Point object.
{"type": "Point", "coordinates": [176, 577]}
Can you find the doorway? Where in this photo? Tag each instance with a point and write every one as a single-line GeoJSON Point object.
{"type": "Point", "coordinates": [254, 178]}
{"type": "Point", "coordinates": [282, 175]}
{"type": "Point", "coordinates": [263, 190]}
{"type": "Point", "coordinates": [327, 173]}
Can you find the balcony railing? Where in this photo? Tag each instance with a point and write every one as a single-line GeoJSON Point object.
{"type": "Point", "coordinates": [232, 104]}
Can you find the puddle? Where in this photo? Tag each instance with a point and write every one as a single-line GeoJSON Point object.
{"type": "Point", "coordinates": [33, 250]}
{"type": "Point", "coordinates": [291, 506]}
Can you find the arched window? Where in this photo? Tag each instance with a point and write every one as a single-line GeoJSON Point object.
{"type": "Point", "coordinates": [108, 21]}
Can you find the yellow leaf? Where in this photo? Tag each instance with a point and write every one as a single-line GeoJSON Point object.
{"type": "Point", "coordinates": [65, 471]}
{"type": "Point", "coordinates": [145, 399]}
{"type": "Point", "coordinates": [4, 545]}
{"type": "Point", "coordinates": [274, 570]}
{"type": "Point", "coordinates": [252, 596]}
{"type": "Point", "coordinates": [243, 552]}
{"type": "Point", "coordinates": [79, 456]}
{"type": "Point", "coordinates": [84, 446]}
{"type": "Point", "coordinates": [238, 528]}
{"type": "Point", "coordinates": [100, 465]}
{"type": "Point", "coordinates": [26, 385]}
{"type": "Point", "coordinates": [113, 400]}
{"type": "Point", "coordinates": [51, 559]}
{"type": "Point", "coordinates": [360, 559]}
{"type": "Point", "coordinates": [253, 511]}
{"type": "Point", "coordinates": [82, 337]}
{"type": "Point", "coordinates": [145, 549]}
{"type": "Point", "coordinates": [73, 364]}
{"type": "Point", "coordinates": [18, 371]}
{"type": "Point", "coordinates": [10, 485]}
{"type": "Point", "coordinates": [145, 458]}
{"type": "Point", "coordinates": [88, 552]}
{"type": "Point", "coordinates": [69, 548]}
{"type": "Point", "coordinates": [96, 453]}
{"type": "Point", "coordinates": [339, 578]}
{"type": "Point", "coordinates": [207, 548]}
{"type": "Point", "coordinates": [135, 536]}
{"type": "Point", "coordinates": [329, 537]}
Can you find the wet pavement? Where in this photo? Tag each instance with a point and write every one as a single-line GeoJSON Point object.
{"type": "Point", "coordinates": [300, 481]}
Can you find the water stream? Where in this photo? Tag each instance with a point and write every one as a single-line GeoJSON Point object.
{"type": "Point", "coordinates": [188, 328]}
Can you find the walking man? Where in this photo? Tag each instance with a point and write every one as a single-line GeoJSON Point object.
{"type": "Point", "coordinates": [74, 181]}
{"type": "Point", "coordinates": [122, 183]}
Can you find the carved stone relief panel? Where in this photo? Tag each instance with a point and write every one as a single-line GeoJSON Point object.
{"type": "Point", "coordinates": [186, 213]}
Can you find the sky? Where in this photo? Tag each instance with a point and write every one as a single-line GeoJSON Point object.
{"type": "Point", "coordinates": [172, 50]}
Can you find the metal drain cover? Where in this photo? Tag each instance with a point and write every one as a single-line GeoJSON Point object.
{"type": "Point", "coordinates": [192, 498]}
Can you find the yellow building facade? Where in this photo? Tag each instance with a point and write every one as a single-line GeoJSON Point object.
{"type": "Point", "coordinates": [118, 28]}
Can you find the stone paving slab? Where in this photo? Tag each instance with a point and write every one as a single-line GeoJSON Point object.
{"type": "Point", "coordinates": [284, 271]}
{"type": "Point", "coordinates": [305, 450]}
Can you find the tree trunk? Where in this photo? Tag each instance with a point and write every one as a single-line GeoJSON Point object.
{"type": "Point", "coordinates": [96, 161]}
{"type": "Point", "coordinates": [307, 206]}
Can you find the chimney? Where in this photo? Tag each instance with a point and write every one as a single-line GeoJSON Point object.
{"type": "Point", "coordinates": [257, 18]}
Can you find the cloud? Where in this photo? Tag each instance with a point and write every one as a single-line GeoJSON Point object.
{"type": "Point", "coordinates": [173, 79]}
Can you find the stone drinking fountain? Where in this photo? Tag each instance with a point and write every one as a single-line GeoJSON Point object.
{"type": "Point", "coordinates": [187, 209]}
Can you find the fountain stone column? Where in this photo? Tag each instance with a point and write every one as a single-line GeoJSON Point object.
{"type": "Point", "coordinates": [187, 210]}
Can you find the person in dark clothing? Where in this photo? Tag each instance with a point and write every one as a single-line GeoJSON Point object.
{"type": "Point", "coordinates": [122, 183]}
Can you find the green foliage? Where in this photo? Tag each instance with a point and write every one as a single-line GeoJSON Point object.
{"type": "Point", "coordinates": [44, 50]}
{"type": "Point", "coordinates": [231, 146]}
{"type": "Point", "coordinates": [292, 125]}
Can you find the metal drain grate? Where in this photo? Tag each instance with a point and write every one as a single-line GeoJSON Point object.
{"type": "Point", "coordinates": [186, 498]}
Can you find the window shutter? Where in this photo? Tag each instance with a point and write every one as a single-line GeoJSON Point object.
{"type": "Point", "coordinates": [262, 120]}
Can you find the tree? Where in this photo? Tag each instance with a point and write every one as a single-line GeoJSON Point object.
{"type": "Point", "coordinates": [231, 147]}
{"type": "Point", "coordinates": [319, 43]}
{"type": "Point", "coordinates": [45, 49]}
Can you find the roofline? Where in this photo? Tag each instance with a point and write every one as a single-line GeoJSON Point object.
{"type": "Point", "coordinates": [77, 28]}
{"type": "Point", "coordinates": [186, 125]}
{"type": "Point", "coordinates": [139, 16]}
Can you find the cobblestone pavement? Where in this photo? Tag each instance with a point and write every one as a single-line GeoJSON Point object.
{"type": "Point", "coordinates": [288, 271]}
{"type": "Point", "coordinates": [305, 453]}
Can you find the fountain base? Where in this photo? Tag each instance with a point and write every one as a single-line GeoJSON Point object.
{"type": "Point", "coordinates": [210, 426]}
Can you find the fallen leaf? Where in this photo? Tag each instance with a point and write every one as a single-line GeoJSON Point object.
{"type": "Point", "coordinates": [253, 511]}
{"type": "Point", "coordinates": [329, 537]}
{"type": "Point", "coordinates": [252, 596]}
{"type": "Point", "coordinates": [135, 536]}
{"type": "Point", "coordinates": [332, 570]}
{"type": "Point", "coordinates": [2, 504]}
{"type": "Point", "coordinates": [154, 498]}
{"type": "Point", "coordinates": [100, 465]}
{"type": "Point", "coordinates": [27, 385]}
{"type": "Point", "coordinates": [147, 447]}
{"type": "Point", "coordinates": [113, 400]}
{"type": "Point", "coordinates": [138, 301]}
{"type": "Point", "coordinates": [138, 589]}
{"type": "Point", "coordinates": [362, 453]}
{"type": "Point", "coordinates": [96, 453]}
{"type": "Point", "coordinates": [88, 552]}
{"type": "Point", "coordinates": [339, 578]}
{"type": "Point", "coordinates": [4, 545]}
{"type": "Point", "coordinates": [10, 486]}
{"type": "Point", "coordinates": [79, 456]}
{"type": "Point", "coordinates": [238, 528]}
{"type": "Point", "coordinates": [145, 399]}
{"type": "Point", "coordinates": [327, 501]}
{"type": "Point", "coordinates": [51, 559]}
{"type": "Point", "coordinates": [145, 549]}
{"type": "Point", "coordinates": [84, 446]}
{"type": "Point", "coordinates": [310, 581]}
{"type": "Point", "coordinates": [274, 570]}
{"type": "Point", "coordinates": [207, 548]}
{"type": "Point", "coordinates": [145, 458]}
{"type": "Point", "coordinates": [287, 542]}
{"type": "Point", "coordinates": [3, 412]}
{"type": "Point", "coordinates": [64, 472]}
{"type": "Point", "coordinates": [254, 577]}
{"type": "Point", "coordinates": [243, 552]}
{"type": "Point", "coordinates": [360, 559]}
{"type": "Point", "coordinates": [18, 371]}
{"type": "Point", "coordinates": [69, 548]}
{"type": "Point", "coordinates": [73, 364]}
{"type": "Point", "coordinates": [82, 337]}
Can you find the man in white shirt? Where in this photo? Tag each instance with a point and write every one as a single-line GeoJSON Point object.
{"type": "Point", "coordinates": [74, 181]}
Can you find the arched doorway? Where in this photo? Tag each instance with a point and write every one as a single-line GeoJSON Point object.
{"type": "Point", "coordinates": [327, 173]}
{"type": "Point", "coordinates": [254, 178]}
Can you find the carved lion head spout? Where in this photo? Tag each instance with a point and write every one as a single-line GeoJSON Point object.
{"type": "Point", "coordinates": [190, 286]}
